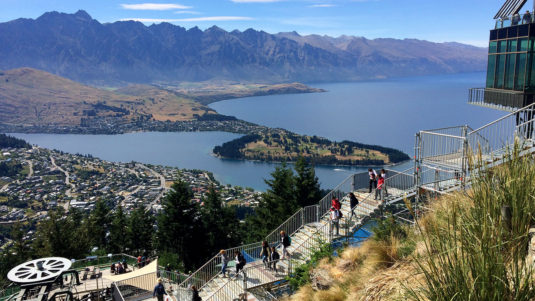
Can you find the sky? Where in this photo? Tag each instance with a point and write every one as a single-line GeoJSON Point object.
{"type": "Point", "coordinates": [464, 21]}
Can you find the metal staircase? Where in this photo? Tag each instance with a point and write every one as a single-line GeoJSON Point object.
{"type": "Point", "coordinates": [308, 227]}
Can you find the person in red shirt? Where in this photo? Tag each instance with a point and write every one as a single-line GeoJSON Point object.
{"type": "Point", "coordinates": [379, 190]}
{"type": "Point", "coordinates": [335, 203]}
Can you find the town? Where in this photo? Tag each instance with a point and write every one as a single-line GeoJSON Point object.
{"type": "Point", "coordinates": [51, 178]}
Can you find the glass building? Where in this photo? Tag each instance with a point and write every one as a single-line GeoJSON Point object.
{"type": "Point", "coordinates": [510, 79]}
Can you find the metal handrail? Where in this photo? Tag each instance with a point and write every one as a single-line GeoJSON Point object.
{"type": "Point", "coordinates": [292, 225]}
{"type": "Point", "coordinates": [504, 117]}
{"type": "Point", "coordinates": [443, 135]}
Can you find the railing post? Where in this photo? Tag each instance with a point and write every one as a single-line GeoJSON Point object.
{"type": "Point", "coordinates": [244, 285]}
{"type": "Point", "coordinates": [464, 162]}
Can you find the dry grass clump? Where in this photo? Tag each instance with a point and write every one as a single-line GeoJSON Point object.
{"type": "Point", "coordinates": [475, 251]}
{"type": "Point", "coordinates": [335, 293]}
{"type": "Point", "coordinates": [361, 273]}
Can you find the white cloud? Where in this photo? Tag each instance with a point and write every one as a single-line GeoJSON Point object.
{"type": "Point", "coordinates": [201, 19]}
{"type": "Point", "coordinates": [154, 6]}
{"type": "Point", "coordinates": [322, 5]}
{"type": "Point", "coordinates": [254, 1]}
{"type": "Point", "coordinates": [187, 12]}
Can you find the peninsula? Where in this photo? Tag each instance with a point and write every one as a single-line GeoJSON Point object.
{"type": "Point", "coordinates": [280, 145]}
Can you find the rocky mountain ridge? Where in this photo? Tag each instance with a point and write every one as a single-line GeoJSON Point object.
{"type": "Point", "coordinates": [80, 48]}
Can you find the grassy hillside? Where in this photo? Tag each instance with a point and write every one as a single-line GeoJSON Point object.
{"type": "Point", "coordinates": [463, 248]}
{"type": "Point", "coordinates": [34, 97]}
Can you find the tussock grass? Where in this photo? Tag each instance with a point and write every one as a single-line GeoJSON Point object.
{"type": "Point", "coordinates": [471, 251]}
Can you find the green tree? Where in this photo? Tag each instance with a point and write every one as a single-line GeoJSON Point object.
{"type": "Point", "coordinates": [140, 231]}
{"type": "Point", "coordinates": [221, 224]}
{"type": "Point", "coordinates": [118, 232]}
{"type": "Point", "coordinates": [99, 224]}
{"type": "Point", "coordinates": [20, 246]}
{"type": "Point", "coordinates": [276, 204]}
{"type": "Point", "coordinates": [180, 228]}
{"type": "Point", "coordinates": [60, 235]}
{"type": "Point", "coordinates": [307, 187]}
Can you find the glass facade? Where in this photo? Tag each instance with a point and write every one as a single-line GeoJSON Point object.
{"type": "Point", "coordinates": [511, 63]}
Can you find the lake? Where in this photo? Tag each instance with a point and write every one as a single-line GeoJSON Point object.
{"type": "Point", "coordinates": [384, 112]}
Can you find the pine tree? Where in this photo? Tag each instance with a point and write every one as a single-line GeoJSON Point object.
{"type": "Point", "coordinates": [180, 229]}
{"type": "Point", "coordinates": [275, 206]}
{"type": "Point", "coordinates": [61, 235]}
{"type": "Point", "coordinates": [307, 187]}
{"type": "Point", "coordinates": [140, 231]}
{"type": "Point", "coordinates": [99, 224]}
{"type": "Point", "coordinates": [221, 224]}
{"type": "Point", "coordinates": [20, 246]}
{"type": "Point", "coordinates": [118, 236]}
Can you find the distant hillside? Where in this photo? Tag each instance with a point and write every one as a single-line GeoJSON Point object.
{"type": "Point", "coordinates": [34, 97]}
{"type": "Point", "coordinates": [80, 48]}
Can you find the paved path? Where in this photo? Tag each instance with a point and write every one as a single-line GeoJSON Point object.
{"type": "Point", "coordinates": [68, 192]}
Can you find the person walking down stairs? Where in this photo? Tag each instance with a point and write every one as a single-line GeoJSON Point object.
{"type": "Point", "coordinates": [335, 220]}
{"type": "Point", "coordinates": [240, 263]}
{"type": "Point", "coordinates": [224, 262]}
{"type": "Point", "coordinates": [273, 259]}
{"type": "Point", "coordinates": [195, 294]}
{"type": "Point", "coordinates": [353, 202]}
{"type": "Point", "coordinates": [159, 290]}
{"type": "Point", "coordinates": [265, 253]}
{"type": "Point", "coordinates": [285, 242]}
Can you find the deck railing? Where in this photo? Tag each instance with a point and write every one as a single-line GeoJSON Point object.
{"type": "Point", "coordinates": [444, 156]}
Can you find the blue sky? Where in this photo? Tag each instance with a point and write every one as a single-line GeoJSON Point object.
{"type": "Point", "coordinates": [466, 21]}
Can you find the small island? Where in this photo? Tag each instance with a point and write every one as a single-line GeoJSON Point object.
{"type": "Point", "coordinates": [278, 145]}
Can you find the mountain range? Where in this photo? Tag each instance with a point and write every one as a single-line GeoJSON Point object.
{"type": "Point", "coordinates": [80, 48]}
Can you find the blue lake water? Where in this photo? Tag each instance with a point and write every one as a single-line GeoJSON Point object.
{"type": "Point", "coordinates": [385, 112]}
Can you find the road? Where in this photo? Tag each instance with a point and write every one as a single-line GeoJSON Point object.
{"type": "Point", "coordinates": [162, 185]}
{"type": "Point", "coordinates": [67, 181]}
{"type": "Point", "coordinates": [30, 164]}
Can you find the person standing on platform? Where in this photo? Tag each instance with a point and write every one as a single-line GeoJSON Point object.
{"type": "Point", "coordinates": [373, 179]}
{"type": "Point", "coordinates": [527, 18]}
{"type": "Point", "coordinates": [379, 191]}
{"type": "Point", "coordinates": [383, 174]}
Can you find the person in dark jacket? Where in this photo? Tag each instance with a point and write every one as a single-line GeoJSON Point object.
{"type": "Point", "coordinates": [159, 290]}
{"type": "Point", "coordinates": [373, 178]}
{"type": "Point", "coordinates": [285, 242]}
{"type": "Point", "coordinates": [266, 250]}
{"type": "Point", "coordinates": [195, 294]}
{"type": "Point", "coordinates": [273, 259]}
{"type": "Point", "coordinates": [353, 202]}
{"type": "Point", "coordinates": [240, 263]}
